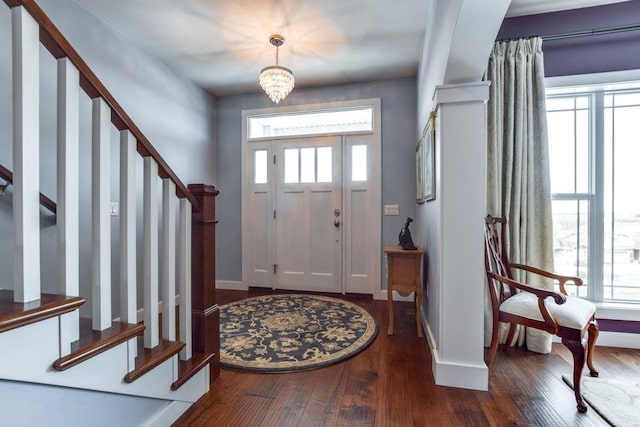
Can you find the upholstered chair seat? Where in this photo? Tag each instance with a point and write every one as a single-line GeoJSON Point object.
{"type": "Point", "coordinates": [575, 313]}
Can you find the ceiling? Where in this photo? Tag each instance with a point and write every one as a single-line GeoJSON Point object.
{"type": "Point", "coordinates": [223, 45]}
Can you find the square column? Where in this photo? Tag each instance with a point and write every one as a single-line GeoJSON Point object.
{"type": "Point", "coordinates": [461, 133]}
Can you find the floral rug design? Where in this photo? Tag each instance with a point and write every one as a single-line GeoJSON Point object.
{"type": "Point", "coordinates": [283, 333]}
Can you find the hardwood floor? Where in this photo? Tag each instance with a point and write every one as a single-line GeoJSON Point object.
{"type": "Point", "coordinates": [391, 384]}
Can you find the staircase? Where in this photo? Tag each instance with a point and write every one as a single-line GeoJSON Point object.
{"type": "Point", "coordinates": [163, 347]}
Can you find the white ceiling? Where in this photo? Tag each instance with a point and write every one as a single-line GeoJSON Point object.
{"type": "Point", "coordinates": [222, 45]}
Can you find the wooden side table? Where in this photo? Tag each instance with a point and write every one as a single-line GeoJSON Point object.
{"type": "Point", "coordinates": [404, 278]}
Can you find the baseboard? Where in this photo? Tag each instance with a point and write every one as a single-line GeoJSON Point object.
{"type": "Point", "coordinates": [168, 415]}
{"type": "Point", "coordinates": [614, 339]}
{"type": "Point", "coordinates": [382, 295]}
{"type": "Point", "coordinates": [474, 377]}
{"type": "Point", "coordinates": [230, 285]}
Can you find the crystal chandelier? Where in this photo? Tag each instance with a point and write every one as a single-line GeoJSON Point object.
{"type": "Point", "coordinates": [276, 81]}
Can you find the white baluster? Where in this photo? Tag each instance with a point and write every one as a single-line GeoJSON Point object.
{"type": "Point", "coordinates": [127, 227]}
{"type": "Point", "coordinates": [128, 259]}
{"type": "Point", "coordinates": [150, 273]}
{"type": "Point", "coordinates": [168, 276]}
{"type": "Point", "coordinates": [101, 220]}
{"type": "Point", "coordinates": [184, 277]}
{"type": "Point", "coordinates": [67, 213]}
{"type": "Point", "coordinates": [26, 155]}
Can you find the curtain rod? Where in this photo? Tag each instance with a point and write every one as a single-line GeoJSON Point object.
{"type": "Point", "coordinates": [593, 32]}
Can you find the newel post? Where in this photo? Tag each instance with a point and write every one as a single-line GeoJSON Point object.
{"type": "Point", "coordinates": [206, 315]}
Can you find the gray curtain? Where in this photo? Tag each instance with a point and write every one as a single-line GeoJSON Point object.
{"type": "Point", "coordinates": [518, 184]}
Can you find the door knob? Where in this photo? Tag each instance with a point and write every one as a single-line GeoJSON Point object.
{"type": "Point", "coordinates": [336, 223]}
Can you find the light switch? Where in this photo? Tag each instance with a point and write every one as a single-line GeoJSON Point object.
{"type": "Point", "coordinates": [391, 210]}
{"type": "Point", "coordinates": [113, 209]}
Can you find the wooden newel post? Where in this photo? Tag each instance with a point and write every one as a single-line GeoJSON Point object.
{"type": "Point", "coordinates": [206, 315]}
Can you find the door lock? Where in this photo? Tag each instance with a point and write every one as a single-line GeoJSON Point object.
{"type": "Point", "coordinates": [336, 212]}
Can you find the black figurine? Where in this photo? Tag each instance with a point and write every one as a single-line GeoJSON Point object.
{"type": "Point", "coordinates": [406, 242]}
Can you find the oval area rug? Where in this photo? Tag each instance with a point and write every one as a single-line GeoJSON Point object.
{"type": "Point", "coordinates": [292, 332]}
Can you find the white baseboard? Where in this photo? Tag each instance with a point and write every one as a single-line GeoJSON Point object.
{"type": "Point", "coordinates": [382, 295]}
{"type": "Point", "coordinates": [614, 339]}
{"type": "Point", "coordinates": [168, 415]}
{"type": "Point", "coordinates": [474, 377]}
{"type": "Point", "coordinates": [231, 285]}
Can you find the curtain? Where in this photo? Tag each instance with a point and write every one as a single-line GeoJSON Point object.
{"type": "Point", "coordinates": [518, 181]}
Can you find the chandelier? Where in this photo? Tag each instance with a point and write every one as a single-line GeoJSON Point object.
{"type": "Point", "coordinates": [276, 81]}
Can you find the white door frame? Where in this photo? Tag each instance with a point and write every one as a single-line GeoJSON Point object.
{"type": "Point", "coordinates": [375, 171]}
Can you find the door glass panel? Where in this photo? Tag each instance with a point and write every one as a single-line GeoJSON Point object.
{"type": "Point", "coordinates": [324, 164]}
{"type": "Point", "coordinates": [260, 167]}
{"type": "Point", "coordinates": [358, 162]}
{"type": "Point", "coordinates": [307, 165]}
{"type": "Point", "coordinates": [291, 167]}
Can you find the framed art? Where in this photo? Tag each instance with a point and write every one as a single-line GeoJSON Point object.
{"type": "Point", "coordinates": [420, 170]}
{"type": "Point", "coordinates": [425, 162]}
{"type": "Point", "coordinates": [429, 169]}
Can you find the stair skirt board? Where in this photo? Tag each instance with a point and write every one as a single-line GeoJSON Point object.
{"type": "Point", "coordinates": [23, 404]}
{"type": "Point", "coordinates": [38, 346]}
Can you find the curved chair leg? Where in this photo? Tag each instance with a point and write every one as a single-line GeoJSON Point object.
{"type": "Point", "coordinates": [512, 332]}
{"type": "Point", "coordinates": [495, 335]}
{"type": "Point", "coordinates": [591, 345]}
{"type": "Point", "coordinates": [577, 350]}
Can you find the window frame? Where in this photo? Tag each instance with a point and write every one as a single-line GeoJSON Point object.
{"type": "Point", "coordinates": [596, 90]}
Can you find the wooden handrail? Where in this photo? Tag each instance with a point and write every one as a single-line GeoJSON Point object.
{"type": "Point", "coordinates": [7, 175]}
{"type": "Point", "coordinates": [60, 47]}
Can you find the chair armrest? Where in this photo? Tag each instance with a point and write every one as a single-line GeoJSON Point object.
{"type": "Point", "coordinates": [562, 280]}
{"type": "Point", "coordinates": [542, 294]}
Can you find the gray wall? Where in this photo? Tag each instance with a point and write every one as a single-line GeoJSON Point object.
{"type": "Point", "coordinates": [584, 55]}
{"type": "Point", "coordinates": [176, 116]}
{"type": "Point", "coordinates": [398, 157]}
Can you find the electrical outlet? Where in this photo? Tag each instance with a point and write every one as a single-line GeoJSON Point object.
{"type": "Point", "coordinates": [391, 210]}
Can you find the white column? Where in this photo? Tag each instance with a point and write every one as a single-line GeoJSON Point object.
{"type": "Point", "coordinates": [127, 227]}
{"type": "Point", "coordinates": [68, 214]}
{"type": "Point", "coordinates": [101, 220]}
{"type": "Point", "coordinates": [168, 272]}
{"type": "Point", "coordinates": [184, 277]}
{"type": "Point", "coordinates": [150, 253]}
{"type": "Point", "coordinates": [26, 155]}
{"type": "Point", "coordinates": [461, 138]}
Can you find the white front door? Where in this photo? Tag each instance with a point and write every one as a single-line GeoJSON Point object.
{"type": "Point", "coordinates": [308, 214]}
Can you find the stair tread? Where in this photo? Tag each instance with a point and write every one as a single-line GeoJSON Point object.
{"type": "Point", "coordinates": [14, 315]}
{"type": "Point", "coordinates": [188, 368]}
{"type": "Point", "coordinates": [149, 358]}
{"type": "Point", "coordinates": [92, 343]}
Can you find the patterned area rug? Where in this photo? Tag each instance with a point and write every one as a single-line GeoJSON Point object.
{"type": "Point", "coordinates": [617, 401]}
{"type": "Point", "coordinates": [284, 333]}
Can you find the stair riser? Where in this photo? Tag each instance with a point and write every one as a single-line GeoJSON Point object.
{"type": "Point", "coordinates": [37, 345]}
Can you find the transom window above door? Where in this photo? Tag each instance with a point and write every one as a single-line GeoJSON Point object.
{"type": "Point", "coordinates": [311, 123]}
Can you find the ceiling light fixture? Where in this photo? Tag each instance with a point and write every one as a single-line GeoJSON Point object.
{"type": "Point", "coordinates": [276, 81]}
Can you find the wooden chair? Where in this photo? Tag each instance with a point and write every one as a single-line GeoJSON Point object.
{"type": "Point", "coordinates": [518, 303]}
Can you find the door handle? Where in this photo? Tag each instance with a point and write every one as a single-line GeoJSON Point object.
{"type": "Point", "coordinates": [336, 223]}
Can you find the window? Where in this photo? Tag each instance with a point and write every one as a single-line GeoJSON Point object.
{"type": "Point", "coordinates": [260, 167]}
{"type": "Point", "coordinates": [594, 156]}
{"type": "Point", "coordinates": [358, 119]}
{"type": "Point", "coordinates": [308, 165]}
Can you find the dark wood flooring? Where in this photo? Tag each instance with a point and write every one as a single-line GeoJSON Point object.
{"type": "Point", "coordinates": [391, 384]}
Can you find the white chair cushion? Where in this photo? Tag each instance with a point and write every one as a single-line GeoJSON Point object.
{"type": "Point", "coordinates": [574, 313]}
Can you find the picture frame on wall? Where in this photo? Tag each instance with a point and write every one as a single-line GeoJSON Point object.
{"type": "Point", "coordinates": [425, 162]}
{"type": "Point", "coordinates": [420, 170]}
